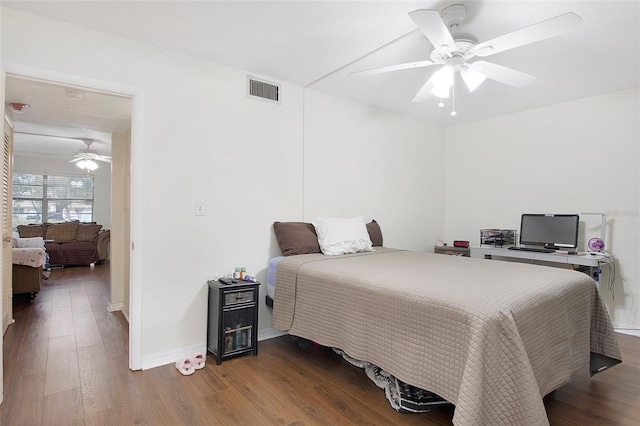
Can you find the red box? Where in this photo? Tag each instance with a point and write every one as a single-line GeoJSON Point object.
{"type": "Point", "coordinates": [458, 243]}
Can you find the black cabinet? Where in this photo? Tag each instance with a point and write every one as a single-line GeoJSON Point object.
{"type": "Point", "coordinates": [233, 319]}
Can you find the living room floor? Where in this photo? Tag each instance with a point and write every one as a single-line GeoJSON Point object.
{"type": "Point", "coordinates": [66, 362]}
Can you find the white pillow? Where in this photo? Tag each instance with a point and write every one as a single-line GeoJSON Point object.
{"type": "Point", "coordinates": [342, 235]}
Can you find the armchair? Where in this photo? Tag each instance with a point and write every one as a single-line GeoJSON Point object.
{"type": "Point", "coordinates": [28, 257]}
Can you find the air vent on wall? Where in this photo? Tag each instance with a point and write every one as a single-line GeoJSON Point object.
{"type": "Point", "coordinates": [263, 90]}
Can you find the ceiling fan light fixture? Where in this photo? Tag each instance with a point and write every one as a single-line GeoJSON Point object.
{"type": "Point", "coordinates": [442, 81]}
{"type": "Point", "coordinates": [472, 78]}
{"type": "Point", "coordinates": [441, 92]}
{"type": "Point", "coordinates": [87, 165]}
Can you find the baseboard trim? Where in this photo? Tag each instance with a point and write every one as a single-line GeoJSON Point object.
{"type": "Point", "coordinates": [170, 357]}
{"type": "Point", "coordinates": [269, 333]}
{"type": "Point", "coordinates": [629, 331]}
{"type": "Point", "coordinates": [115, 307]}
{"type": "Point", "coordinates": [125, 312]}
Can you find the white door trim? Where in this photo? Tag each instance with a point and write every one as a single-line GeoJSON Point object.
{"type": "Point", "coordinates": [137, 139]}
{"type": "Point", "coordinates": [2, 94]}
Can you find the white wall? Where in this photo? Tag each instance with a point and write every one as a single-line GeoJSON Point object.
{"type": "Point", "coordinates": [364, 161]}
{"type": "Point", "coordinates": [579, 156]}
{"type": "Point", "coordinates": [204, 140]}
{"type": "Point", "coordinates": [101, 181]}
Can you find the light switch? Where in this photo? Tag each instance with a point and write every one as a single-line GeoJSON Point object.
{"type": "Point", "coordinates": [200, 208]}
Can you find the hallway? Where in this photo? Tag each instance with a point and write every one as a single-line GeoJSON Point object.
{"type": "Point", "coordinates": [65, 350]}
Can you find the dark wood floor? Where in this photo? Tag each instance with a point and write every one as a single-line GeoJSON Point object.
{"type": "Point", "coordinates": [65, 362]}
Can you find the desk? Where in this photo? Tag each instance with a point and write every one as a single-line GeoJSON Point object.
{"type": "Point", "coordinates": [590, 261]}
{"type": "Point", "coordinates": [452, 251]}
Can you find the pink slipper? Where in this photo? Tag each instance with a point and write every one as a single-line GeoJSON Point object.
{"type": "Point", "coordinates": [199, 359]}
{"type": "Point", "coordinates": [186, 366]}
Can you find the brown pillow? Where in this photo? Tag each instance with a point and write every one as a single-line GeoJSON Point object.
{"type": "Point", "coordinates": [296, 238]}
{"type": "Point", "coordinates": [87, 232]}
{"type": "Point", "coordinates": [62, 232]}
{"type": "Point", "coordinates": [31, 231]}
{"type": "Point", "coordinates": [375, 233]}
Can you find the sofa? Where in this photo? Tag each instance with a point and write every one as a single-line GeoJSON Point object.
{"type": "Point", "coordinates": [70, 243]}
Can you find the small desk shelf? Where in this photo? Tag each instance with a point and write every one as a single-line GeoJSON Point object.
{"type": "Point", "coordinates": [233, 319]}
{"type": "Point", "coordinates": [591, 261]}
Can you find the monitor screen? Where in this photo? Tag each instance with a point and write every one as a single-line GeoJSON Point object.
{"type": "Point", "coordinates": [549, 230]}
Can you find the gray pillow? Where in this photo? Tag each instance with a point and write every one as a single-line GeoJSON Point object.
{"type": "Point", "coordinates": [375, 233]}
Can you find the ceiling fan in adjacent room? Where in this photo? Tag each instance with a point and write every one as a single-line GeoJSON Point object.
{"type": "Point", "coordinates": [453, 51]}
{"type": "Point", "coordinates": [86, 159]}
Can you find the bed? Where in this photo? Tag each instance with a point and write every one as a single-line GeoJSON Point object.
{"type": "Point", "coordinates": [490, 337]}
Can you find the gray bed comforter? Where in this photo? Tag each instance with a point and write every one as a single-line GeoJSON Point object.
{"type": "Point", "coordinates": [491, 337]}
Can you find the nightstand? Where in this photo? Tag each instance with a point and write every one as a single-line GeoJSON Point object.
{"type": "Point", "coordinates": [232, 326]}
{"type": "Point", "coordinates": [452, 251]}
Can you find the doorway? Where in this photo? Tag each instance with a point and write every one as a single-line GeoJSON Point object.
{"type": "Point", "coordinates": [71, 88]}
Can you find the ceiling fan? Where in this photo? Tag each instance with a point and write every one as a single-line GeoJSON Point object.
{"type": "Point", "coordinates": [453, 50]}
{"type": "Point", "coordinates": [87, 155]}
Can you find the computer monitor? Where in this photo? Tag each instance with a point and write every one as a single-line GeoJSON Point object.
{"type": "Point", "coordinates": [552, 231]}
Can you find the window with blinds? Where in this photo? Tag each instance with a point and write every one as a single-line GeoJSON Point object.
{"type": "Point", "coordinates": [39, 198]}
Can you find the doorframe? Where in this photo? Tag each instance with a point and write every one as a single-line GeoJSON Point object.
{"type": "Point", "coordinates": [2, 93]}
{"type": "Point", "coordinates": [135, 196]}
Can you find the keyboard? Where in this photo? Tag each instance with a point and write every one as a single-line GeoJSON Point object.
{"type": "Point", "coordinates": [537, 250]}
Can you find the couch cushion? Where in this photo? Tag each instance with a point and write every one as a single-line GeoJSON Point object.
{"type": "Point", "coordinates": [53, 249]}
{"type": "Point", "coordinates": [77, 253]}
{"type": "Point", "coordinates": [87, 232]}
{"type": "Point", "coordinates": [30, 231]}
{"type": "Point", "coordinates": [62, 232]}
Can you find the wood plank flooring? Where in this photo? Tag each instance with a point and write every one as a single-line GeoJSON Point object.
{"type": "Point", "coordinates": [66, 362]}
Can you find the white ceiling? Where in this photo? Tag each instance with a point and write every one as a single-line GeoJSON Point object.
{"type": "Point", "coordinates": [317, 44]}
{"type": "Point", "coordinates": [61, 117]}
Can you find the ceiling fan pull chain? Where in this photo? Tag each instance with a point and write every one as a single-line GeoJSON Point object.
{"type": "Point", "coordinates": [453, 99]}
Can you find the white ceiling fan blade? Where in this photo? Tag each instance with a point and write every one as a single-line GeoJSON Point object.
{"type": "Point", "coordinates": [425, 91]}
{"type": "Point", "coordinates": [90, 156]}
{"type": "Point", "coordinates": [541, 31]}
{"type": "Point", "coordinates": [394, 68]}
{"type": "Point", "coordinates": [432, 25]}
{"type": "Point", "coordinates": [502, 74]}
{"type": "Point", "coordinates": [471, 77]}
{"type": "Point", "coordinates": [97, 157]}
